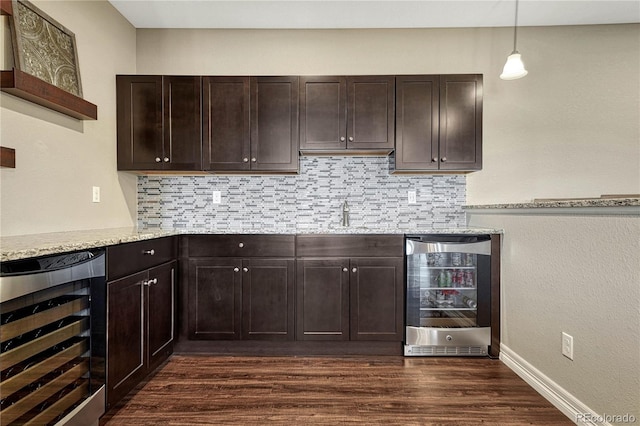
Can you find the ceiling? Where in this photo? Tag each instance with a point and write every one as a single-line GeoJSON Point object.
{"type": "Point", "coordinates": [297, 14]}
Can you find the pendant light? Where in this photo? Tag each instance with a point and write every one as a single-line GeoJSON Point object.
{"type": "Point", "coordinates": [514, 67]}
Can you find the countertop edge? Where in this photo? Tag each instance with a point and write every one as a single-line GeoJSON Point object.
{"type": "Point", "coordinates": [599, 203]}
{"type": "Point", "coordinates": [28, 246]}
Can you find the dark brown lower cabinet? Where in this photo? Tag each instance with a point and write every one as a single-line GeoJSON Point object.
{"type": "Point", "coordinates": [322, 299]}
{"type": "Point", "coordinates": [234, 299]}
{"type": "Point", "coordinates": [350, 299]}
{"type": "Point", "coordinates": [140, 327]}
{"type": "Point", "coordinates": [377, 294]}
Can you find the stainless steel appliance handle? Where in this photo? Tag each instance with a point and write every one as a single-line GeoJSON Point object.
{"type": "Point", "coordinates": [419, 247]}
{"type": "Point", "coordinates": [20, 285]}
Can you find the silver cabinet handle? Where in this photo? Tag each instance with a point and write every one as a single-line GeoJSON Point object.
{"type": "Point", "coordinates": [350, 138]}
{"type": "Point", "coordinates": [253, 160]}
{"type": "Point", "coordinates": [342, 139]}
{"type": "Point", "coordinates": [354, 270]}
{"type": "Point", "coordinates": [345, 269]}
{"type": "Point", "coordinates": [166, 159]}
{"type": "Point", "coordinates": [245, 269]}
{"type": "Point", "coordinates": [236, 269]}
{"type": "Point", "coordinates": [146, 283]}
{"type": "Point", "coordinates": [149, 282]}
{"type": "Point", "coordinates": [149, 252]}
{"type": "Point", "coordinates": [241, 245]}
{"type": "Point", "coordinates": [434, 160]}
{"type": "Point", "coordinates": [245, 160]}
{"type": "Point", "coordinates": [158, 159]}
{"type": "Point", "coordinates": [444, 159]}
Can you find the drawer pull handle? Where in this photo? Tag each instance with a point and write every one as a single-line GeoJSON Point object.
{"type": "Point", "coordinates": [236, 269]}
{"type": "Point", "coordinates": [149, 252]}
{"type": "Point", "coordinates": [241, 245]}
{"type": "Point", "coordinates": [354, 270]}
{"type": "Point", "coordinates": [153, 281]}
{"type": "Point", "coordinates": [245, 269]}
{"type": "Point", "coordinates": [345, 269]}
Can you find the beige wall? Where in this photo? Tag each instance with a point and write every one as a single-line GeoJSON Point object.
{"type": "Point", "coordinates": [579, 275]}
{"type": "Point", "coordinates": [569, 129]}
{"type": "Point", "coordinates": [59, 158]}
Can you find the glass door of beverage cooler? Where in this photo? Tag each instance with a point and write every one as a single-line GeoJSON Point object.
{"type": "Point", "coordinates": [448, 290]}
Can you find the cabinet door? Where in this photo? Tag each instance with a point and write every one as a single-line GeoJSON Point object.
{"type": "Point", "coordinates": [417, 100]}
{"type": "Point", "coordinates": [267, 298]}
{"type": "Point", "coordinates": [274, 124]}
{"type": "Point", "coordinates": [323, 113]}
{"type": "Point", "coordinates": [125, 335]}
{"type": "Point", "coordinates": [377, 299]}
{"type": "Point", "coordinates": [139, 116]}
{"type": "Point", "coordinates": [461, 122]}
{"type": "Point", "coordinates": [182, 123]}
{"type": "Point", "coordinates": [370, 112]}
{"type": "Point", "coordinates": [322, 299]}
{"type": "Point", "coordinates": [215, 299]}
{"type": "Point", "coordinates": [225, 124]}
{"type": "Point", "coordinates": [160, 310]}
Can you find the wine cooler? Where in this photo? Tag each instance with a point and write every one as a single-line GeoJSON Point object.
{"type": "Point", "coordinates": [52, 340]}
{"type": "Point", "coordinates": [448, 295]}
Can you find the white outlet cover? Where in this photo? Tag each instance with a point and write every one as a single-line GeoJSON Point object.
{"type": "Point", "coordinates": [96, 194]}
{"type": "Point", "coordinates": [411, 197]}
{"type": "Point", "coordinates": [217, 197]}
{"type": "Point", "coordinates": [567, 345]}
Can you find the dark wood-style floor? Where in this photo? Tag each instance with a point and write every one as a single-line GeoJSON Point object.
{"type": "Point", "coordinates": [389, 390]}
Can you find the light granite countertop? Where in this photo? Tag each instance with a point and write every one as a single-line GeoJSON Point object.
{"type": "Point", "coordinates": [560, 203]}
{"type": "Point", "coordinates": [26, 246]}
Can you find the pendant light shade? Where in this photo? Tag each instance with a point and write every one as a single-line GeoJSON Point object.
{"type": "Point", "coordinates": [514, 67]}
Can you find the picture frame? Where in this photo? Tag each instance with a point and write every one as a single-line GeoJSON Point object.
{"type": "Point", "coordinates": [44, 48]}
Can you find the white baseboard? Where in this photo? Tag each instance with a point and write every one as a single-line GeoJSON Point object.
{"type": "Point", "coordinates": [570, 406]}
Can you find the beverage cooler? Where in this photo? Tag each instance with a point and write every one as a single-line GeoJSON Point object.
{"type": "Point", "coordinates": [448, 295]}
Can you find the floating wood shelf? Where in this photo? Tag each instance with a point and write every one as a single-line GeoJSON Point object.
{"type": "Point", "coordinates": [38, 91]}
{"type": "Point", "coordinates": [7, 157]}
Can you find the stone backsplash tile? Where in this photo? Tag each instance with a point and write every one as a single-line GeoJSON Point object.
{"type": "Point", "coordinates": [311, 200]}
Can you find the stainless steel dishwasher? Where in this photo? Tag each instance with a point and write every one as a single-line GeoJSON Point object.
{"type": "Point", "coordinates": [52, 339]}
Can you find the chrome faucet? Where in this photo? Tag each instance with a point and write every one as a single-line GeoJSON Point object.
{"type": "Point", "coordinates": [345, 214]}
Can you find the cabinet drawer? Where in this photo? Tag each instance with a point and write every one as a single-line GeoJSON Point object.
{"type": "Point", "coordinates": [350, 245]}
{"type": "Point", "coordinates": [241, 245]}
{"type": "Point", "coordinates": [126, 259]}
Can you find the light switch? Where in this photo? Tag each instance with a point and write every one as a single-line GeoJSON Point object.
{"type": "Point", "coordinates": [217, 197]}
{"type": "Point", "coordinates": [96, 194]}
{"type": "Point", "coordinates": [411, 196]}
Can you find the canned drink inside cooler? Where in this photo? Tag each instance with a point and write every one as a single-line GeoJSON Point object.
{"type": "Point", "coordinates": [459, 280]}
{"type": "Point", "coordinates": [469, 279]}
{"type": "Point", "coordinates": [468, 259]}
{"type": "Point", "coordinates": [456, 259]}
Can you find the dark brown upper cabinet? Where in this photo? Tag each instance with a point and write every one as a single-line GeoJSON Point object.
{"type": "Point", "coordinates": [159, 123]}
{"type": "Point", "coordinates": [438, 123]}
{"type": "Point", "coordinates": [250, 124]}
{"type": "Point", "coordinates": [347, 114]}
{"type": "Point", "coordinates": [225, 125]}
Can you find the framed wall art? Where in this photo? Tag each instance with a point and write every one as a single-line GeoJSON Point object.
{"type": "Point", "coordinates": [43, 48]}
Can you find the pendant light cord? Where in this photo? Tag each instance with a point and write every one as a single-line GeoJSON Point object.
{"type": "Point", "coordinates": [515, 30]}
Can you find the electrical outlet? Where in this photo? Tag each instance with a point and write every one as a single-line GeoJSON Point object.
{"type": "Point", "coordinates": [567, 345]}
{"type": "Point", "coordinates": [217, 197]}
{"type": "Point", "coordinates": [96, 194]}
{"type": "Point", "coordinates": [411, 197]}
